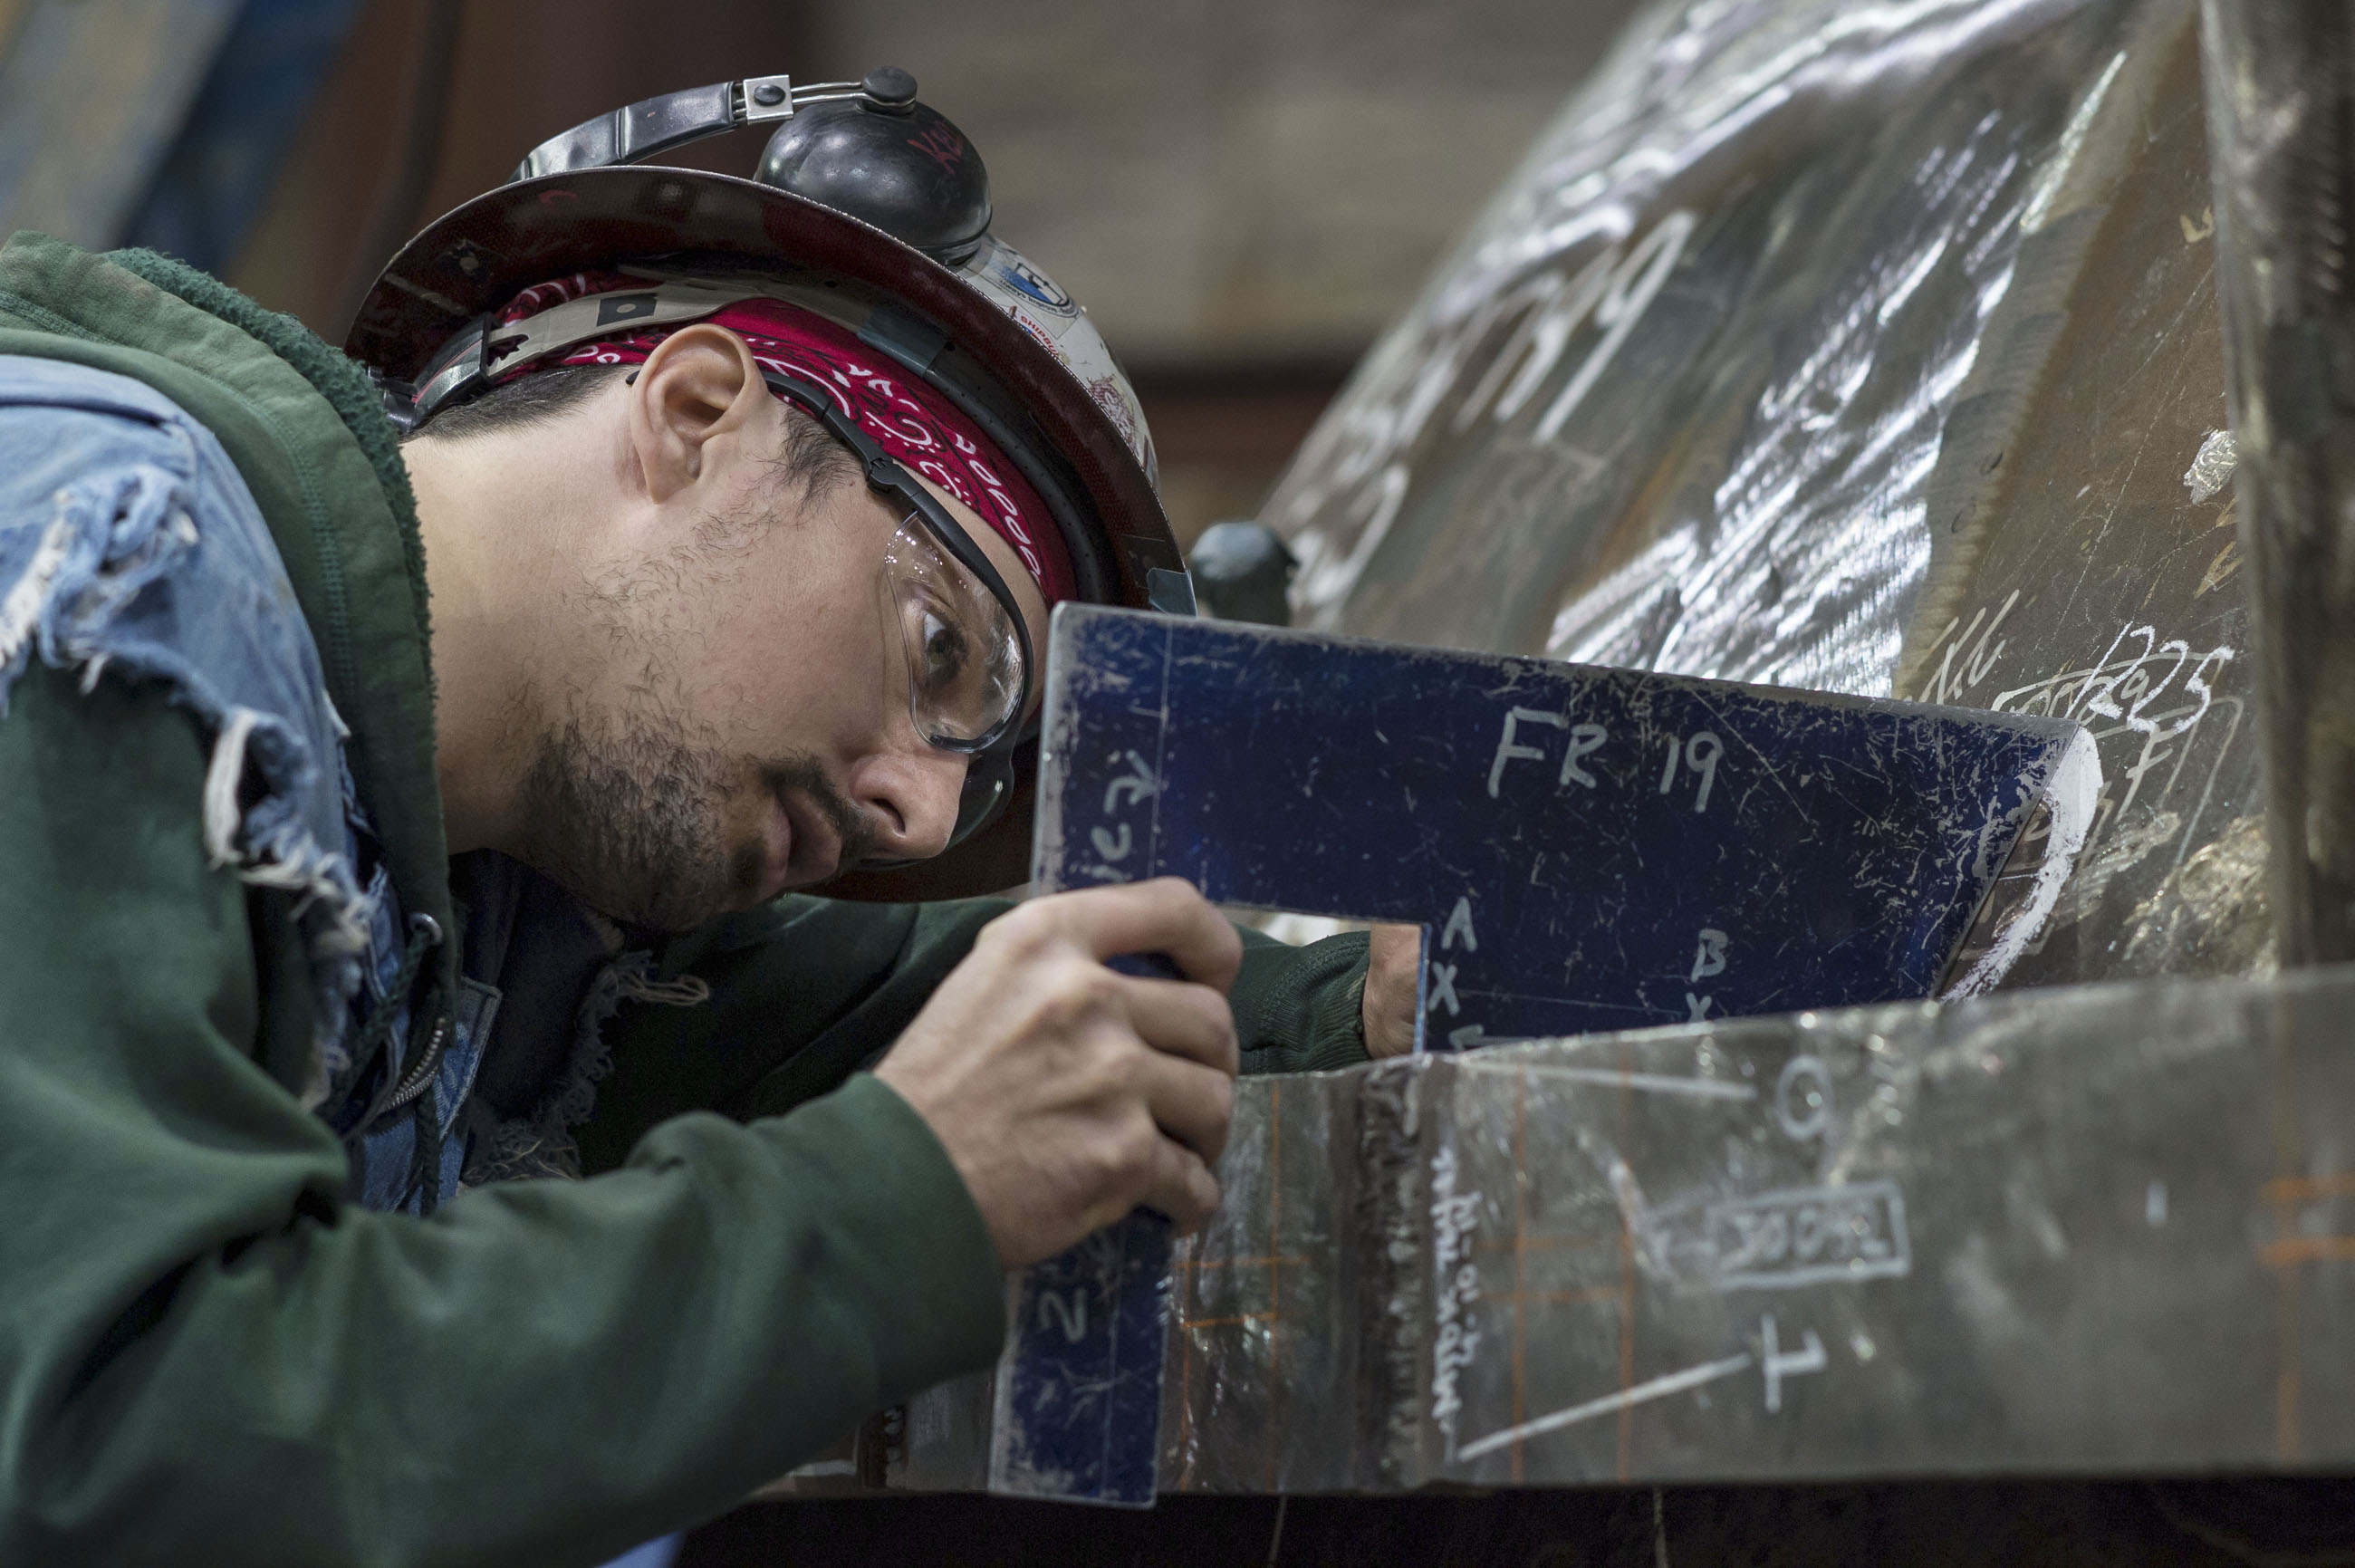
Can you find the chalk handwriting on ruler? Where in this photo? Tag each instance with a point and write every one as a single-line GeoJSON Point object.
{"type": "Point", "coordinates": [1440, 980]}
{"type": "Point", "coordinates": [1585, 740]}
{"type": "Point", "coordinates": [1359, 457]}
{"type": "Point", "coordinates": [1443, 987]}
{"type": "Point", "coordinates": [1115, 843]}
{"type": "Point", "coordinates": [1778, 1363]}
{"type": "Point", "coordinates": [1709, 958]}
{"type": "Point", "coordinates": [1700, 753]}
{"type": "Point", "coordinates": [1069, 1311]}
{"type": "Point", "coordinates": [1139, 784]}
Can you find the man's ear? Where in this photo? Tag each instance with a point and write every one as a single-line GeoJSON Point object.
{"type": "Point", "coordinates": [699, 387]}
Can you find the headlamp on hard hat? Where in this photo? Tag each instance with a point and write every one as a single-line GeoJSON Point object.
{"type": "Point", "coordinates": [871, 210]}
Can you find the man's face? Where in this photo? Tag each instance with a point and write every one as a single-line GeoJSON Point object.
{"type": "Point", "coordinates": [735, 722]}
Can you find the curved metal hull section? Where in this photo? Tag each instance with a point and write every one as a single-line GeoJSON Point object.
{"type": "Point", "coordinates": [1872, 349]}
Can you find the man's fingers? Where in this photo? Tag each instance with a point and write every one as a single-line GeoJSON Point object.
{"type": "Point", "coordinates": [1165, 915]}
{"type": "Point", "coordinates": [1183, 1019]}
{"type": "Point", "coordinates": [1191, 1104]}
{"type": "Point", "coordinates": [1181, 1186]}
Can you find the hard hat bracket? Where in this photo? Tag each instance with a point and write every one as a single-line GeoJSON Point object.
{"type": "Point", "coordinates": [655, 125]}
{"type": "Point", "coordinates": [876, 197]}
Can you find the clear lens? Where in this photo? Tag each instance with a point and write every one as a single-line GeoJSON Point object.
{"type": "Point", "coordinates": [963, 656]}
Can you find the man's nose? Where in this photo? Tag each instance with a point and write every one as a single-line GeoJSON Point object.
{"type": "Point", "coordinates": [911, 798]}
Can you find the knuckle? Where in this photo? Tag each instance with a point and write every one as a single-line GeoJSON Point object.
{"type": "Point", "coordinates": [1223, 1100]}
{"type": "Point", "coordinates": [1130, 1158]}
{"type": "Point", "coordinates": [1071, 992]}
{"type": "Point", "coordinates": [1020, 928]}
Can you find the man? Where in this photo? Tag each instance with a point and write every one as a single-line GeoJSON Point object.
{"type": "Point", "coordinates": [324, 922]}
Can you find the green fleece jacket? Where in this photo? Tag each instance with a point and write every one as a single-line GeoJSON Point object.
{"type": "Point", "coordinates": [205, 1353]}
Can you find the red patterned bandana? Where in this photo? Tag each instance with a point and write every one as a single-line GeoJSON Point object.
{"type": "Point", "coordinates": [903, 415]}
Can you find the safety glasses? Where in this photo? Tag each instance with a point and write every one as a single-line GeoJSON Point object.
{"type": "Point", "coordinates": [952, 627]}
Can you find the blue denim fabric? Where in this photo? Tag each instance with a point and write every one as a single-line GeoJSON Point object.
{"type": "Point", "coordinates": [129, 545]}
{"type": "Point", "coordinates": [129, 541]}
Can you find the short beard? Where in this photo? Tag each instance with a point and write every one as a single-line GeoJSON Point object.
{"type": "Point", "coordinates": [627, 808]}
{"type": "Point", "coordinates": [631, 818]}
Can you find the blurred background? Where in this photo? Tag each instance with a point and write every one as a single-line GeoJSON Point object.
{"type": "Point", "coordinates": [1242, 192]}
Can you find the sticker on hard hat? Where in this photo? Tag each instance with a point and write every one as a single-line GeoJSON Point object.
{"type": "Point", "coordinates": [1038, 304]}
{"type": "Point", "coordinates": [1027, 280]}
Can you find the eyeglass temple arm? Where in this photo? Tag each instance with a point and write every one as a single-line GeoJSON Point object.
{"type": "Point", "coordinates": [654, 125]}
{"type": "Point", "coordinates": [884, 472]}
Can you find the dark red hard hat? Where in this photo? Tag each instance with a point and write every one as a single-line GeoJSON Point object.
{"type": "Point", "coordinates": [898, 251]}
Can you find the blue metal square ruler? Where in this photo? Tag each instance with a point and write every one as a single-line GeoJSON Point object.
{"type": "Point", "coordinates": [1585, 848]}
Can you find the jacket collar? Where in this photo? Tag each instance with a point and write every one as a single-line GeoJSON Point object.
{"type": "Point", "coordinates": [343, 518]}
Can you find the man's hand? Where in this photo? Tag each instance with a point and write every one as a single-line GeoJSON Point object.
{"type": "Point", "coordinates": [1067, 1094]}
{"type": "Point", "coordinates": [1391, 980]}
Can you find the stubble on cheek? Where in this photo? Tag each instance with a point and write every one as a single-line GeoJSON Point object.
{"type": "Point", "coordinates": [631, 817]}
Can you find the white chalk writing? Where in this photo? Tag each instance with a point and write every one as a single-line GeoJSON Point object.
{"type": "Point", "coordinates": [1443, 987]}
{"type": "Point", "coordinates": [1778, 1363]}
{"type": "Point", "coordinates": [1802, 1097]}
{"type": "Point", "coordinates": [1138, 783]}
{"type": "Point", "coordinates": [1809, 1236]}
{"type": "Point", "coordinates": [1358, 458]}
{"type": "Point", "coordinates": [1115, 843]}
{"type": "Point", "coordinates": [1585, 740]}
{"type": "Point", "coordinates": [1453, 1217]}
{"type": "Point", "coordinates": [1508, 749]}
{"type": "Point", "coordinates": [1608, 1405]}
{"type": "Point", "coordinates": [1708, 957]}
{"type": "Point", "coordinates": [1459, 924]}
{"type": "Point", "coordinates": [1699, 754]}
{"type": "Point", "coordinates": [1070, 1312]}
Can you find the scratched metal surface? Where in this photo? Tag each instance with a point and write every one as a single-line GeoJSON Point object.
{"type": "Point", "coordinates": [1586, 847]}
{"type": "Point", "coordinates": [2279, 98]}
{"type": "Point", "coordinates": [1867, 349]}
{"type": "Point", "coordinates": [2089, 1230]}
{"type": "Point", "coordinates": [1873, 349]}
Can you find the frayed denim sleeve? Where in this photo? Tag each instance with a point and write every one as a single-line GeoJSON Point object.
{"type": "Point", "coordinates": [130, 548]}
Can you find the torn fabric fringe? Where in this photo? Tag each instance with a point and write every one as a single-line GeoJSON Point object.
{"type": "Point", "coordinates": [541, 1144]}
{"type": "Point", "coordinates": [117, 580]}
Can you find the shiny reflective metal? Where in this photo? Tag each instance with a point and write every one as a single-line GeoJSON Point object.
{"type": "Point", "coordinates": [1865, 348]}
{"type": "Point", "coordinates": [1876, 349]}
{"type": "Point", "coordinates": [1798, 849]}
{"type": "Point", "coordinates": [2091, 1230]}
{"type": "Point", "coordinates": [2280, 96]}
